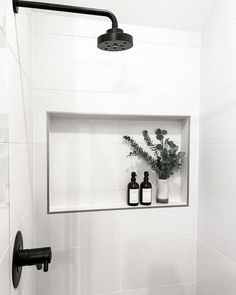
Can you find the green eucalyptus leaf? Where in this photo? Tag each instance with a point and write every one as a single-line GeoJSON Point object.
{"type": "Point", "coordinates": [159, 147]}
{"type": "Point", "coordinates": [181, 154]}
{"type": "Point", "coordinates": [163, 132]}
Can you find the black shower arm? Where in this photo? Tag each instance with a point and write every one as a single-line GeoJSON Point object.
{"type": "Point", "coordinates": [66, 8]}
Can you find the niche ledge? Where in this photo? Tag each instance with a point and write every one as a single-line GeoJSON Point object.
{"type": "Point", "coordinates": [87, 164]}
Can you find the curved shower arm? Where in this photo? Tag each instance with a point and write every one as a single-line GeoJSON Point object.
{"type": "Point", "coordinates": [66, 8]}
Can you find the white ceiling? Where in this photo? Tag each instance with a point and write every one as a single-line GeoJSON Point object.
{"type": "Point", "coordinates": [190, 15]}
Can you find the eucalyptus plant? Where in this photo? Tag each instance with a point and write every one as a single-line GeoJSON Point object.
{"type": "Point", "coordinates": [165, 159]}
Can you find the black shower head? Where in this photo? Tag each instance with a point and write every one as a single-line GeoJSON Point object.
{"type": "Point", "coordinates": [115, 40]}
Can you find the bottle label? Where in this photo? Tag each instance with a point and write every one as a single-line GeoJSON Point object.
{"type": "Point", "coordinates": [147, 195]}
{"type": "Point", "coordinates": [133, 196]}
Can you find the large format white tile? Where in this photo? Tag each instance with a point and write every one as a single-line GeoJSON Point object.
{"type": "Point", "coordinates": [19, 37]}
{"type": "Point", "coordinates": [112, 103]}
{"type": "Point", "coordinates": [216, 170]}
{"type": "Point", "coordinates": [76, 230]}
{"type": "Point", "coordinates": [215, 273]}
{"type": "Point", "coordinates": [63, 62]}
{"type": "Point", "coordinates": [154, 224]}
{"type": "Point", "coordinates": [5, 273]}
{"type": "Point", "coordinates": [4, 199]}
{"type": "Point", "coordinates": [3, 89]}
{"type": "Point", "coordinates": [217, 223]}
{"type": "Point", "coordinates": [21, 182]}
{"type": "Point", "coordinates": [164, 262]}
{"type": "Point", "coordinates": [200, 291]}
{"type": "Point", "coordinates": [165, 69]}
{"type": "Point", "coordinates": [20, 99]}
{"type": "Point", "coordinates": [84, 26]}
{"type": "Point", "coordinates": [66, 24]}
{"type": "Point", "coordinates": [83, 167]}
{"type": "Point", "coordinates": [181, 289]}
{"type": "Point", "coordinates": [82, 271]}
{"type": "Point", "coordinates": [218, 47]}
{"type": "Point", "coordinates": [3, 15]}
{"type": "Point", "coordinates": [217, 116]}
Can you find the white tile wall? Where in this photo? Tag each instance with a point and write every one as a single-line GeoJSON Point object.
{"type": "Point", "coordinates": [216, 212]}
{"type": "Point", "coordinates": [148, 252]}
{"type": "Point", "coordinates": [16, 195]}
{"type": "Point", "coordinates": [115, 252]}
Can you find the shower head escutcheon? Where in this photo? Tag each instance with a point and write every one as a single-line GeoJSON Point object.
{"type": "Point", "coordinates": [113, 40]}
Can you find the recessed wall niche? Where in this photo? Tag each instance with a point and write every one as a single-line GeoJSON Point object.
{"type": "Point", "coordinates": [88, 167]}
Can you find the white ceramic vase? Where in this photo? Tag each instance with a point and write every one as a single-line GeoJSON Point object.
{"type": "Point", "coordinates": [163, 191]}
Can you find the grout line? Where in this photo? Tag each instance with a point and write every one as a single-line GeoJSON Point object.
{"type": "Point", "coordinates": [121, 244]}
{"type": "Point", "coordinates": [164, 286]}
{"type": "Point", "coordinates": [16, 228]}
{"type": "Point", "coordinates": [20, 64]}
{"type": "Point", "coordinates": [218, 197]}
{"type": "Point", "coordinates": [193, 95]}
{"type": "Point", "coordinates": [214, 249]}
{"type": "Point", "coordinates": [160, 43]}
{"type": "Point", "coordinates": [4, 253]}
{"type": "Point", "coordinates": [201, 288]}
{"type": "Point", "coordinates": [217, 144]}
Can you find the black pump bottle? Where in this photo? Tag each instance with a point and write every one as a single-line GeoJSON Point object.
{"type": "Point", "coordinates": [146, 190]}
{"type": "Point", "coordinates": [133, 191]}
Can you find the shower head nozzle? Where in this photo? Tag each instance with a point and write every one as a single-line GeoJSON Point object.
{"type": "Point", "coordinates": [115, 40]}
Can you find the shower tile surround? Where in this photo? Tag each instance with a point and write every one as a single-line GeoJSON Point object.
{"type": "Point", "coordinates": [216, 255]}
{"type": "Point", "coordinates": [156, 251]}
{"type": "Point", "coordinates": [115, 252]}
{"type": "Point", "coordinates": [16, 143]}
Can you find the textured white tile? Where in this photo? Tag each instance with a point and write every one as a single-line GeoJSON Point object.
{"type": "Point", "coordinates": [154, 263]}
{"type": "Point", "coordinates": [85, 271]}
{"type": "Point", "coordinates": [215, 273]}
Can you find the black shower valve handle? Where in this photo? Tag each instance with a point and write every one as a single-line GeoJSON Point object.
{"type": "Point", "coordinates": [37, 256]}
{"type": "Point", "coordinates": [40, 257]}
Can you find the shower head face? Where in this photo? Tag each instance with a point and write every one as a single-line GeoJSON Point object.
{"type": "Point", "coordinates": [115, 40]}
